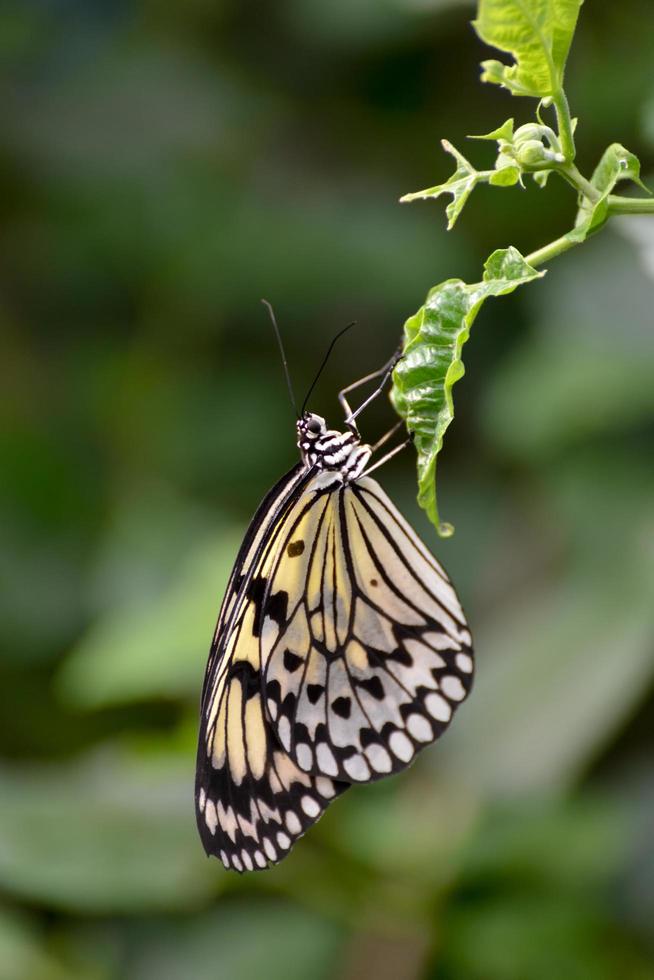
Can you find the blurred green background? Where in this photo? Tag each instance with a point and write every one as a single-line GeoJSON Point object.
{"type": "Point", "coordinates": [162, 166]}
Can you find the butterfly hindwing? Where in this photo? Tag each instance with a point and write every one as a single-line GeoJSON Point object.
{"type": "Point", "coordinates": [374, 655]}
{"type": "Point", "coordinates": [252, 800]}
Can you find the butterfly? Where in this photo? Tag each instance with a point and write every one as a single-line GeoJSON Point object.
{"type": "Point", "coordinates": [341, 651]}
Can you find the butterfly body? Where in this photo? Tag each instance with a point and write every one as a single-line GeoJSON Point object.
{"type": "Point", "coordinates": [341, 650]}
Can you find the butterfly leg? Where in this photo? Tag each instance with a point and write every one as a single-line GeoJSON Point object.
{"type": "Point", "coordinates": [387, 435]}
{"type": "Point", "coordinates": [384, 373]}
{"type": "Point", "coordinates": [390, 453]}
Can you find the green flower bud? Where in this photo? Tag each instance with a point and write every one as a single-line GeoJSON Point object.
{"type": "Point", "coordinates": [532, 153]}
{"type": "Point", "coordinates": [530, 132]}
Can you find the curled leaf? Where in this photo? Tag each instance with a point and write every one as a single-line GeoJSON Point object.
{"type": "Point", "coordinates": [616, 164]}
{"type": "Point", "coordinates": [431, 363]}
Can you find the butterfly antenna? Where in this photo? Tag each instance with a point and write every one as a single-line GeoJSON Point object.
{"type": "Point", "coordinates": [324, 362]}
{"type": "Point", "coordinates": [283, 353]}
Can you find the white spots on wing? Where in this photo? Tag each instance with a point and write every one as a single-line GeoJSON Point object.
{"type": "Point", "coordinates": [267, 813]}
{"type": "Point", "coordinates": [438, 707]}
{"type": "Point", "coordinates": [452, 687]}
{"type": "Point", "coordinates": [326, 761]}
{"type": "Point", "coordinates": [419, 728]}
{"type": "Point", "coordinates": [304, 756]}
{"type": "Point", "coordinates": [247, 860]}
{"type": "Point", "coordinates": [272, 709]}
{"type": "Point", "coordinates": [226, 818]}
{"type": "Point", "coordinates": [246, 827]}
{"type": "Point", "coordinates": [400, 746]}
{"type": "Point", "coordinates": [379, 758]}
{"type": "Point", "coordinates": [224, 858]}
{"type": "Point", "coordinates": [310, 806]}
{"type": "Point", "coordinates": [274, 780]}
{"type": "Point", "coordinates": [325, 787]}
{"type": "Point", "coordinates": [202, 799]}
{"type": "Point", "coordinates": [357, 768]}
{"type": "Point", "coordinates": [288, 772]}
{"type": "Point", "coordinates": [210, 816]}
{"type": "Point", "coordinates": [464, 636]}
{"type": "Point", "coordinates": [284, 732]}
{"type": "Point", "coordinates": [283, 840]}
{"type": "Point", "coordinates": [236, 861]}
{"type": "Point", "coordinates": [269, 848]}
{"type": "Point", "coordinates": [293, 822]}
{"type": "Point", "coordinates": [260, 859]}
{"type": "Point", "coordinates": [464, 663]}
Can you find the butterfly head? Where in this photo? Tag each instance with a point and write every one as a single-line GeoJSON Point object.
{"type": "Point", "coordinates": [310, 427]}
{"type": "Point", "coordinates": [328, 449]}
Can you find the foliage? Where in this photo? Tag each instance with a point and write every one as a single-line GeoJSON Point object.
{"type": "Point", "coordinates": [538, 34]}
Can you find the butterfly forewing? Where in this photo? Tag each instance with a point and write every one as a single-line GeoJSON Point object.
{"type": "Point", "coordinates": [252, 801]}
{"type": "Point", "coordinates": [375, 654]}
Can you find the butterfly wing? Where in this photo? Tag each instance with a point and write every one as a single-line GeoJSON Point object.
{"type": "Point", "coordinates": [252, 800]}
{"type": "Point", "coordinates": [375, 655]}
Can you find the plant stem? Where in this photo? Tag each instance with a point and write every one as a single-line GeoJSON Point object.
{"type": "Point", "coordinates": [579, 182]}
{"type": "Point", "coordinates": [630, 205]}
{"type": "Point", "coordinates": [547, 252]}
{"type": "Point", "coordinates": [617, 205]}
{"type": "Point", "coordinates": [564, 124]}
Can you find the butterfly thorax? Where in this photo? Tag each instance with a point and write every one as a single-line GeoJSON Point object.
{"type": "Point", "coordinates": [327, 449]}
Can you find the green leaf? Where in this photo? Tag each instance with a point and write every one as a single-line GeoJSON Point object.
{"type": "Point", "coordinates": [570, 384]}
{"type": "Point", "coordinates": [616, 164]}
{"type": "Point", "coordinates": [460, 185]}
{"type": "Point", "coordinates": [503, 132]}
{"type": "Point", "coordinates": [24, 955]}
{"type": "Point", "coordinates": [577, 651]}
{"type": "Point", "coordinates": [538, 34]}
{"type": "Point", "coordinates": [157, 647]}
{"type": "Point", "coordinates": [431, 363]}
{"type": "Point", "coordinates": [565, 396]}
{"type": "Point", "coordinates": [506, 173]}
{"type": "Point", "coordinates": [242, 939]}
{"type": "Point", "coordinates": [107, 833]}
